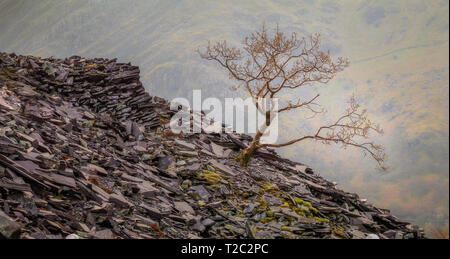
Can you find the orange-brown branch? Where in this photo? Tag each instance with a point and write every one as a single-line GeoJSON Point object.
{"type": "Point", "coordinates": [269, 64]}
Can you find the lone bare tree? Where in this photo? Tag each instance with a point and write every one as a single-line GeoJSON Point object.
{"type": "Point", "coordinates": [269, 64]}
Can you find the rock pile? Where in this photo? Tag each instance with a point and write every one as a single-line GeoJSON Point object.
{"type": "Point", "coordinates": [85, 152]}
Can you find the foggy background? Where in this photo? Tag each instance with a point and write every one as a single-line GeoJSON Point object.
{"type": "Point", "coordinates": [399, 71]}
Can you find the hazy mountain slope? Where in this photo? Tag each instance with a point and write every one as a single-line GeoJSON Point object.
{"type": "Point", "coordinates": [398, 50]}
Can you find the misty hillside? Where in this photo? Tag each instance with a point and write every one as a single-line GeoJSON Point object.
{"type": "Point", "coordinates": [399, 69]}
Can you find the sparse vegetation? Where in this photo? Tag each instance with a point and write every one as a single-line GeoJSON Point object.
{"type": "Point", "coordinates": [268, 65]}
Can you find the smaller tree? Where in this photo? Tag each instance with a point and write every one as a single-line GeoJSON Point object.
{"type": "Point", "coordinates": [270, 64]}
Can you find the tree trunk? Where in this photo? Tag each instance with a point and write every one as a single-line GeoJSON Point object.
{"type": "Point", "coordinates": [248, 152]}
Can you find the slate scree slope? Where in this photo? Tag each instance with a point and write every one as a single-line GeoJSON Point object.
{"type": "Point", "coordinates": [86, 152]}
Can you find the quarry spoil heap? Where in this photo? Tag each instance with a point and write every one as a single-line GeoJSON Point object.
{"type": "Point", "coordinates": [86, 152]}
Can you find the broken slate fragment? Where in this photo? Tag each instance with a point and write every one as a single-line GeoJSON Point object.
{"type": "Point", "coordinates": [132, 128]}
{"type": "Point", "coordinates": [201, 191]}
{"type": "Point", "coordinates": [97, 169]}
{"type": "Point", "coordinates": [184, 207]}
{"type": "Point", "coordinates": [217, 150]}
{"type": "Point", "coordinates": [185, 144]}
{"type": "Point", "coordinates": [198, 227]}
{"type": "Point", "coordinates": [5, 105]}
{"type": "Point", "coordinates": [8, 227]}
{"type": "Point", "coordinates": [166, 162]}
{"type": "Point", "coordinates": [222, 167]}
{"type": "Point", "coordinates": [119, 200]}
{"type": "Point", "coordinates": [208, 222]}
{"type": "Point", "coordinates": [153, 212]}
{"type": "Point", "coordinates": [147, 190]}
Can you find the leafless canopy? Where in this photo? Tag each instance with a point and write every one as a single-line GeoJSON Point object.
{"type": "Point", "coordinates": [348, 130]}
{"type": "Point", "coordinates": [268, 64]}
